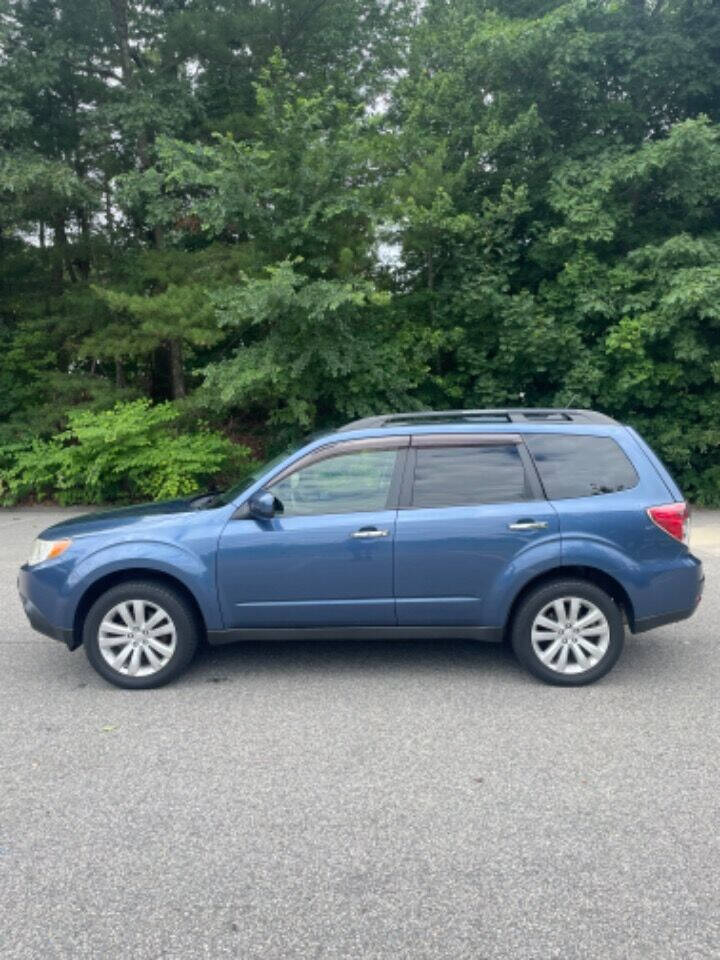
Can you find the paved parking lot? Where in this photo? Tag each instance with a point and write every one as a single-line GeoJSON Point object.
{"type": "Point", "coordinates": [368, 800]}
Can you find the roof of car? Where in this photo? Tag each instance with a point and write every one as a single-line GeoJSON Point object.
{"type": "Point", "coordinates": [527, 415]}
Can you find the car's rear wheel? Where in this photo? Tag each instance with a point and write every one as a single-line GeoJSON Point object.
{"type": "Point", "coordinates": [568, 632]}
{"type": "Point", "coordinates": [140, 634]}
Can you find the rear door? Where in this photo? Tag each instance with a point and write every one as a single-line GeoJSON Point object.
{"type": "Point", "coordinates": [470, 507]}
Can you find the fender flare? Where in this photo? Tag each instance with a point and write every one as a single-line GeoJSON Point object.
{"type": "Point", "coordinates": [168, 559]}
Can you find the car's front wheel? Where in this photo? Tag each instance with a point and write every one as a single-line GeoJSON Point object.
{"type": "Point", "coordinates": [568, 632]}
{"type": "Point", "coordinates": [140, 634]}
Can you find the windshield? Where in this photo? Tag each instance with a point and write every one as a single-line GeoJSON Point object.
{"type": "Point", "coordinates": [227, 496]}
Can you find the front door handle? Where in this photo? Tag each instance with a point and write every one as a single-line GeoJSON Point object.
{"type": "Point", "coordinates": [369, 533]}
{"type": "Point", "coordinates": [528, 525]}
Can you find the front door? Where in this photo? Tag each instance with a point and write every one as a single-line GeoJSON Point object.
{"type": "Point", "coordinates": [326, 558]}
{"type": "Point", "coordinates": [471, 507]}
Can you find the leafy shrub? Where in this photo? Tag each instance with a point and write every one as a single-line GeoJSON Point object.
{"type": "Point", "coordinates": [133, 451]}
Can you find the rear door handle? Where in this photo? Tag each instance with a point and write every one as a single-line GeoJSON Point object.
{"type": "Point", "coordinates": [528, 525]}
{"type": "Point", "coordinates": [369, 533]}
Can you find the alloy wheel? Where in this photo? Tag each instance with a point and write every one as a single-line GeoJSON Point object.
{"type": "Point", "coordinates": [137, 638]}
{"type": "Point", "coordinates": [570, 635]}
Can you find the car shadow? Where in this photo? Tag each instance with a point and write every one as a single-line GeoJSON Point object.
{"type": "Point", "coordinates": [641, 658]}
{"type": "Point", "coordinates": [223, 663]}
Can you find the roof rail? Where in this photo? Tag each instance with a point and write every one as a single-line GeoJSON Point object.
{"type": "Point", "coordinates": [504, 415]}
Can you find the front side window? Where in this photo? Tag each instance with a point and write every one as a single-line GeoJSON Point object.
{"type": "Point", "coordinates": [576, 466]}
{"type": "Point", "coordinates": [462, 476]}
{"type": "Point", "coordinates": [354, 482]}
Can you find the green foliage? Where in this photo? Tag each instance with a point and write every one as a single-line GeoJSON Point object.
{"type": "Point", "coordinates": [153, 296]}
{"type": "Point", "coordinates": [646, 296]}
{"type": "Point", "coordinates": [311, 350]}
{"type": "Point", "coordinates": [558, 182]}
{"type": "Point", "coordinates": [282, 214]}
{"type": "Point", "coordinates": [127, 453]}
{"type": "Point", "coordinates": [302, 186]}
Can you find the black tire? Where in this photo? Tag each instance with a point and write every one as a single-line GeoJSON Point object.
{"type": "Point", "coordinates": [179, 612]}
{"type": "Point", "coordinates": [536, 601]}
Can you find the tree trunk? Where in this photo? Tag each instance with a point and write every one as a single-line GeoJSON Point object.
{"type": "Point", "coordinates": [83, 262]}
{"type": "Point", "coordinates": [431, 284]}
{"type": "Point", "coordinates": [177, 373]}
{"type": "Point", "coordinates": [119, 11]}
{"type": "Point", "coordinates": [118, 8]}
{"type": "Point", "coordinates": [159, 383]}
{"type": "Point", "coordinates": [58, 258]}
{"type": "Point", "coordinates": [109, 218]}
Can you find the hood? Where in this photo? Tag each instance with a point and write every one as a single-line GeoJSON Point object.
{"type": "Point", "coordinates": [103, 520]}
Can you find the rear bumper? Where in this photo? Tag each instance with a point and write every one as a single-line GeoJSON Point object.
{"type": "Point", "coordinates": [650, 623]}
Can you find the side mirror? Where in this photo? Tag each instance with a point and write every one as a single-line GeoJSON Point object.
{"type": "Point", "coordinates": [261, 505]}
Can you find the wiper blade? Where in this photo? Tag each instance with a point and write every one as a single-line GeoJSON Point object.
{"type": "Point", "coordinates": [201, 500]}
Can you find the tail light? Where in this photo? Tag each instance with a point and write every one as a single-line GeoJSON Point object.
{"type": "Point", "coordinates": [673, 518]}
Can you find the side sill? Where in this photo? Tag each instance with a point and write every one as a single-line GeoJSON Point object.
{"type": "Point", "coordinates": [487, 634]}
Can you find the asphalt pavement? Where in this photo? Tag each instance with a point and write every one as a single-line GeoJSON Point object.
{"type": "Point", "coordinates": [419, 800]}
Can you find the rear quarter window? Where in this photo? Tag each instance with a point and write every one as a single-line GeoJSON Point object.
{"type": "Point", "coordinates": [576, 466]}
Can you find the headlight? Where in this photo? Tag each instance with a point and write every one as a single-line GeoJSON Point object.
{"type": "Point", "coordinates": [47, 550]}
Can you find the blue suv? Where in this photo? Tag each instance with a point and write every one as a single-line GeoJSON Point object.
{"type": "Point", "coordinates": [550, 527]}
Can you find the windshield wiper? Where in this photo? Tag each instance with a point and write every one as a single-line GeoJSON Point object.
{"type": "Point", "coordinates": [202, 500]}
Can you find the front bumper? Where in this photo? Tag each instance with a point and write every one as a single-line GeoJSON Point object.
{"type": "Point", "coordinates": [42, 624]}
{"type": "Point", "coordinates": [38, 620]}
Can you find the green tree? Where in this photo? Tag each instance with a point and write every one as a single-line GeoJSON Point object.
{"type": "Point", "coordinates": [546, 155]}
{"type": "Point", "coordinates": [197, 200]}
{"type": "Point", "coordinates": [310, 333]}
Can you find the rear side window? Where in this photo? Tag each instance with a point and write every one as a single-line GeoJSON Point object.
{"type": "Point", "coordinates": [572, 466]}
{"type": "Point", "coordinates": [463, 476]}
